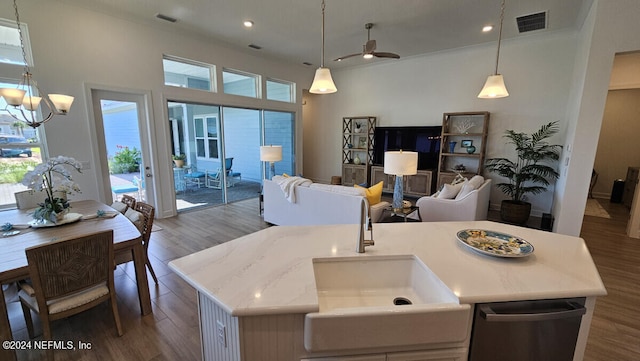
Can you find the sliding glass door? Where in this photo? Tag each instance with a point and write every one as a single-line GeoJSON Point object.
{"type": "Point", "coordinates": [221, 147]}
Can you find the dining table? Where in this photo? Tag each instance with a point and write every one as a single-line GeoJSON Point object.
{"type": "Point", "coordinates": [84, 217]}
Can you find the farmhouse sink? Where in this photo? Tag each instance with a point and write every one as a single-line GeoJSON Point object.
{"type": "Point", "coordinates": [382, 301]}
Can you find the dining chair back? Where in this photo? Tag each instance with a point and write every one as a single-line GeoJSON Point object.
{"type": "Point", "coordinates": [69, 276]}
{"type": "Point", "coordinates": [128, 200]}
{"type": "Point", "coordinates": [28, 199]}
{"type": "Point", "coordinates": [142, 215]}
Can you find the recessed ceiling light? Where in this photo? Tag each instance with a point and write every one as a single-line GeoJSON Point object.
{"type": "Point", "coordinates": [487, 28]}
{"type": "Point", "coordinates": [247, 23]}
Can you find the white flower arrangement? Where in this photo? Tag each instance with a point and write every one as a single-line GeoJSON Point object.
{"type": "Point", "coordinates": [53, 177]}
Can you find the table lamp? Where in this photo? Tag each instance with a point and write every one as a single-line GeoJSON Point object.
{"type": "Point", "coordinates": [271, 154]}
{"type": "Point", "coordinates": [400, 163]}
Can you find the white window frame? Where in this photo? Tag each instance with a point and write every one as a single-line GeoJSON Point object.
{"type": "Point", "coordinates": [206, 138]}
{"type": "Point", "coordinates": [25, 38]}
{"type": "Point", "coordinates": [257, 78]}
{"type": "Point", "coordinates": [292, 89]}
{"type": "Point", "coordinates": [210, 67]}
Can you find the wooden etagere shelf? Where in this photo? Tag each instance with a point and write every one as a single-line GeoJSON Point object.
{"type": "Point", "coordinates": [357, 149]}
{"type": "Point", "coordinates": [467, 132]}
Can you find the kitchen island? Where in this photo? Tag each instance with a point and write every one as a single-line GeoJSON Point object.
{"type": "Point", "coordinates": [255, 291]}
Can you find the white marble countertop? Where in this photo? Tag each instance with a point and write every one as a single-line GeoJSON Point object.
{"type": "Point", "coordinates": [271, 271]}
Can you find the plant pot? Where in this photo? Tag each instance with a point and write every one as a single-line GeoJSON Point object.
{"type": "Point", "coordinates": [515, 212]}
{"type": "Point", "coordinates": [179, 163]}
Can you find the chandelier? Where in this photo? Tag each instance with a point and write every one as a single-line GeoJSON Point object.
{"type": "Point", "coordinates": [22, 102]}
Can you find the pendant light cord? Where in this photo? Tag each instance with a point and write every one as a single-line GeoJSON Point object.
{"type": "Point", "coordinates": [322, 51]}
{"type": "Point", "coordinates": [499, 35]}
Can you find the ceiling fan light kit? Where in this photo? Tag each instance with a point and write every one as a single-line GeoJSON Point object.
{"type": "Point", "coordinates": [369, 49]}
{"type": "Point", "coordinates": [323, 82]}
{"type": "Point", "coordinates": [494, 86]}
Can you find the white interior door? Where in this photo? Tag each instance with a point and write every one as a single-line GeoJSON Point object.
{"type": "Point", "coordinates": [123, 141]}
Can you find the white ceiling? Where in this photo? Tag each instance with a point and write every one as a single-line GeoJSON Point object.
{"type": "Point", "coordinates": [290, 29]}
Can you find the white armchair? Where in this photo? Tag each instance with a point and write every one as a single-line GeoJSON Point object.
{"type": "Point", "coordinates": [471, 207]}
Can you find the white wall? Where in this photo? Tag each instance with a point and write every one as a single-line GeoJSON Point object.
{"type": "Point", "coordinates": [417, 90]}
{"type": "Point", "coordinates": [74, 46]}
{"type": "Point", "coordinates": [611, 27]}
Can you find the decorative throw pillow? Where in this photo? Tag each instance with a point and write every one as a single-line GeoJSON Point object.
{"type": "Point", "coordinates": [450, 191]}
{"type": "Point", "coordinates": [135, 217]}
{"type": "Point", "coordinates": [476, 181]}
{"type": "Point", "coordinates": [119, 206]}
{"type": "Point", "coordinates": [373, 193]}
{"type": "Point", "coordinates": [467, 187]}
{"type": "Point", "coordinates": [285, 175]}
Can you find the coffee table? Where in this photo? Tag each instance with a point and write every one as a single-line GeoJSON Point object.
{"type": "Point", "coordinates": [401, 213]}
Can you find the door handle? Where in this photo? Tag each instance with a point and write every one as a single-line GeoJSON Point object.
{"type": "Point", "coordinates": [572, 310]}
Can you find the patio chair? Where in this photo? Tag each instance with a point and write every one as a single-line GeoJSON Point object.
{"type": "Point", "coordinates": [195, 176]}
{"type": "Point", "coordinates": [214, 180]}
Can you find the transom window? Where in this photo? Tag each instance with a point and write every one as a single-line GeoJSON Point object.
{"type": "Point", "coordinates": [206, 129]}
{"type": "Point", "coordinates": [240, 83]}
{"type": "Point", "coordinates": [280, 90]}
{"type": "Point", "coordinates": [188, 74]}
{"type": "Point", "coordinates": [10, 50]}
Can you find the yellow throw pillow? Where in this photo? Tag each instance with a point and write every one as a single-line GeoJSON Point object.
{"type": "Point", "coordinates": [373, 193]}
{"type": "Point", "coordinates": [285, 175]}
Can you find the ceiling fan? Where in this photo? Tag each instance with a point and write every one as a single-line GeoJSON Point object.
{"type": "Point", "coordinates": [369, 49]}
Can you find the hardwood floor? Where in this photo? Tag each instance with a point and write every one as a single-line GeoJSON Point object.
{"type": "Point", "coordinates": [172, 331]}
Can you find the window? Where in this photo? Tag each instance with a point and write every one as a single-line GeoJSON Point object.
{"type": "Point", "coordinates": [280, 90]}
{"type": "Point", "coordinates": [10, 50]}
{"type": "Point", "coordinates": [188, 74]}
{"type": "Point", "coordinates": [239, 83]}
{"type": "Point", "coordinates": [206, 129]}
{"type": "Point", "coordinates": [20, 151]}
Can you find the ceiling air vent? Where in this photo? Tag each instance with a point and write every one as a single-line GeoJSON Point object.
{"type": "Point", "coordinates": [532, 22]}
{"type": "Point", "coordinates": [166, 18]}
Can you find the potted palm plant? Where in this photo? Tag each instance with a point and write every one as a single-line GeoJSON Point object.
{"type": "Point", "coordinates": [530, 173]}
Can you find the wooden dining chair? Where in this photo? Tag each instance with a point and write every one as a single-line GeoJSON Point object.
{"type": "Point", "coordinates": [69, 276]}
{"type": "Point", "coordinates": [129, 201]}
{"type": "Point", "coordinates": [142, 216]}
{"type": "Point", "coordinates": [28, 199]}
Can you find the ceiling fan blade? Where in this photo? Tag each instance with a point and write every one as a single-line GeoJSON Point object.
{"type": "Point", "coordinates": [347, 56]}
{"type": "Point", "coordinates": [386, 55]}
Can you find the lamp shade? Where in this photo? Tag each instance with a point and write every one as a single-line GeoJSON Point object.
{"type": "Point", "coordinates": [401, 163]}
{"type": "Point", "coordinates": [322, 82]}
{"type": "Point", "coordinates": [271, 153]}
{"type": "Point", "coordinates": [61, 102]}
{"type": "Point", "coordinates": [494, 88]}
{"type": "Point", "coordinates": [12, 96]}
{"type": "Point", "coordinates": [31, 103]}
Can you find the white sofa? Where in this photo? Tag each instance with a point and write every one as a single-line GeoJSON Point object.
{"type": "Point", "coordinates": [316, 204]}
{"type": "Point", "coordinates": [473, 206]}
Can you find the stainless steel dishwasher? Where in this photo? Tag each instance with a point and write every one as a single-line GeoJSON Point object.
{"type": "Point", "coordinates": [543, 330]}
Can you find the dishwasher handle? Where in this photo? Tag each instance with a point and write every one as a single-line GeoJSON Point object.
{"type": "Point", "coordinates": [573, 310]}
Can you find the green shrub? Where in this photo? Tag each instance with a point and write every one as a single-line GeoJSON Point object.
{"type": "Point", "coordinates": [14, 172]}
{"type": "Point", "coordinates": [125, 160]}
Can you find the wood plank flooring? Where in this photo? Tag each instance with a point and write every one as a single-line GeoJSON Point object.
{"type": "Point", "coordinates": [172, 331]}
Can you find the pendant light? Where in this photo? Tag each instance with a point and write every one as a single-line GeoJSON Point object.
{"type": "Point", "coordinates": [322, 82]}
{"type": "Point", "coordinates": [494, 86]}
